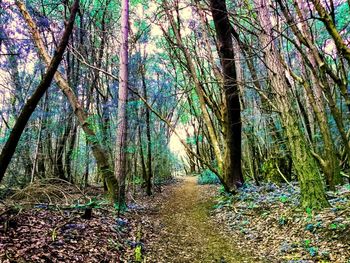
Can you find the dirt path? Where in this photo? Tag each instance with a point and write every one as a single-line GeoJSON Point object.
{"type": "Point", "coordinates": [184, 232]}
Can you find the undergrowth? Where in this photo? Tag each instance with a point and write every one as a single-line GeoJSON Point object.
{"type": "Point", "coordinates": [208, 177]}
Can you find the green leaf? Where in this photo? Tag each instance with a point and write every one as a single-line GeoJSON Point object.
{"type": "Point", "coordinates": [283, 199]}
{"type": "Point", "coordinates": [333, 226]}
{"type": "Point", "coordinates": [307, 242]}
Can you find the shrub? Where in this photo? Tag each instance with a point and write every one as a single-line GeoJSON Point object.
{"type": "Point", "coordinates": [208, 177]}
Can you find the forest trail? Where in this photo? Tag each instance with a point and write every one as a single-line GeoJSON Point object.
{"type": "Point", "coordinates": [184, 231]}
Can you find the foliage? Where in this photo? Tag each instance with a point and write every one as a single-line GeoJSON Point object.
{"type": "Point", "coordinates": [208, 177]}
{"type": "Point", "coordinates": [309, 214]}
{"type": "Point", "coordinates": [313, 251]}
{"type": "Point", "coordinates": [138, 253]}
{"type": "Point", "coordinates": [224, 200]}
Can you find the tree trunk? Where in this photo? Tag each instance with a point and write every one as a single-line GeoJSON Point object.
{"type": "Point", "coordinates": [120, 158]}
{"type": "Point", "coordinates": [69, 154]}
{"type": "Point", "coordinates": [328, 160]}
{"type": "Point", "coordinates": [61, 143]}
{"type": "Point", "coordinates": [312, 191]}
{"type": "Point", "coordinates": [148, 134]}
{"type": "Point", "coordinates": [233, 127]}
{"type": "Point", "coordinates": [37, 149]}
{"type": "Point", "coordinates": [143, 163]}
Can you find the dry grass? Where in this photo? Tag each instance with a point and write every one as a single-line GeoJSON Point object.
{"type": "Point", "coordinates": [48, 191]}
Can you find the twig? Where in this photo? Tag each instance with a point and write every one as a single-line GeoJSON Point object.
{"type": "Point", "coordinates": [6, 211]}
{"type": "Point", "coordinates": [54, 231]}
{"type": "Point", "coordinates": [344, 174]}
{"type": "Point", "coordinates": [284, 178]}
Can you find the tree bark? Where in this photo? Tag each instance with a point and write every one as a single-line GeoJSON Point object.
{"type": "Point", "coordinates": [120, 158]}
{"type": "Point", "coordinates": [233, 127]}
{"type": "Point", "coordinates": [148, 134]}
{"type": "Point", "coordinates": [328, 160]}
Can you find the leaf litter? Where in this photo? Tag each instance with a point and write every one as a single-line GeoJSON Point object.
{"type": "Point", "coordinates": [57, 231]}
{"type": "Point", "coordinates": [268, 218]}
{"type": "Point", "coordinates": [182, 223]}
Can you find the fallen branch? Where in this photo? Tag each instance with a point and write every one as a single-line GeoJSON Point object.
{"type": "Point", "coordinates": [284, 178]}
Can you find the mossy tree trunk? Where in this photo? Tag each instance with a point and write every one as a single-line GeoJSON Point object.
{"type": "Point", "coordinates": [313, 86]}
{"type": "Point", "coordinates": [321, 70]}
{"type": "Point", "coordinates": [305, 165]}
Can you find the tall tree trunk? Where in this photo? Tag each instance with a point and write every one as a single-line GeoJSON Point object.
{"type": "Point", "coordinates": [319, 67]}
{"type": "Point", "coordinates": [148, 134]}
{"type": "Point", "coordinates": [233, 127]}
{"type": "Point", "coordinates": [69, 153]}
{"type": "Point", "coordinates": [61, 143]}
{"type": "Point", "coordinates": [87, 166]}
{"type": "Point", "coordinates": [120, 158]}
{"type": "Point", "coordinates": [30, 105]}
{"type": "Point", "coordinates": [313, 88]}
{"type": "Point", "coordinates": [143, 163]}
{"type": "Point", "coordinates": [37, 149]}
{"type": "Point", "coordinates": [312, 191]}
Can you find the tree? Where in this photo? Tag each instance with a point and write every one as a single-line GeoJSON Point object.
{"type": "Point", "coordinates": [233, 127]}
{"type": "Point", "coordinates": [29, 107]}
{"type": "Point", "coordinates": [120, 157]}
{"type": "Point", "coordinates": [312, 192]}
{"type": "Point", "coordinates": [99, 153]}
{"type": "Point", "coordinates": [149, 173]}
{"type": "Point", "coordinates": [230, 178]}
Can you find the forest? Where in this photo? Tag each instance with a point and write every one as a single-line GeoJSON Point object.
{"type": "Point", "coordinates": [175, 131]}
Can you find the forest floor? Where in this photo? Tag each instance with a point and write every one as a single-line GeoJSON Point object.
{"type": "Point", "coordinates": [269, 218]}
{"type": "Point", "coordinates": [185, 222]}
{"type": "Point", "coordinates": [177, 227]}
{"type": "Point", "coordinates": [47, 222]}
{"type": "Point", "coordinates": [188, 222]}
